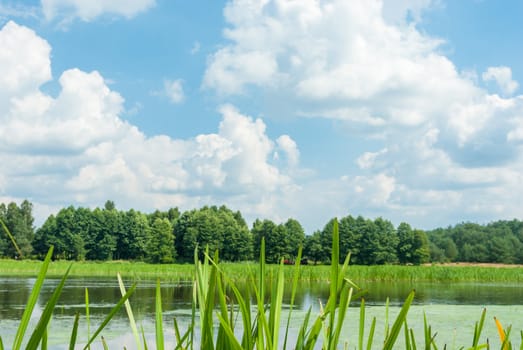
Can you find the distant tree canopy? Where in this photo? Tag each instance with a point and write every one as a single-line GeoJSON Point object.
{"type": "Point", "coordinates": [172, 236]}
{"type": "Point", "coordinates": [216, 229]}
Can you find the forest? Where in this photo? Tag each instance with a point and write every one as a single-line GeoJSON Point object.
{"type": "Point", "coordinates": [103, 234]}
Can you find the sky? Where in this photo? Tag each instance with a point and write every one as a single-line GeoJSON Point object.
{"type": "Point", "coordinates": [410, 110]}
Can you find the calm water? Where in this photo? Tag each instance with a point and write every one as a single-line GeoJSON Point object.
{"type": "Point", "coordinates": [452, 309]}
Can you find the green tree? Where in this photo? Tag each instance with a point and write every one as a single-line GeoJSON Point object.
{"type": "Point", "coordinates": [160, 248]}
{"type": "Point", "coordinates": [420, 247]}
{"type": "Point", "coordinates": [313, 249]}
{"type": "Point", "coordinates": [295, 237]}
{"type": "Point", "coordinates": [213, 228]}
{"type": "Point", "coordinates": [132, 236]}
{"type": "Point", "coordinates": [350, 239]}
{"type": "Point", "coordinates": [64, 232]}
{"type": "Point", "coordinates": [265, 230]}
{"type": "Point", "coordinates": [405, 243]}
{"type": "Point", "coordinates": [19, 221]}
{"type": "Point", "coordinates": [388, 242]}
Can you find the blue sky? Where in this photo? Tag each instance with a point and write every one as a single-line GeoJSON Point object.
{"type": "Point", "coordinates": [407, 109]}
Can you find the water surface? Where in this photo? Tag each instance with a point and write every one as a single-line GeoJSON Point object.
{"type": "Point", "coordinates": [451, 308]}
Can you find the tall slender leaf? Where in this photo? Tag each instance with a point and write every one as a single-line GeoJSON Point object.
{"type": "Point", "coordinates": [295, 278]}
{"type": "Point", "coordinates": [159, 318]}
{"type": "Point", "coordinates": [33, 298]}
{"type": "Point", "coordinates": [72, 341]}
{"type": "Point", "coordinates": [11, 237]}
{"type": "Point", "coordinates": [87, 317]}
{"type": "Point", "coordinates": [362, 324]}
{"type": "Point", "coordinates": [371, 334]}
{"type": "Point", "coordinates": [396, 327]}
{"type": "Point", "coordinates": [111, 314]}
{"type": "Point", "coordinates": [130, 314]}
{"type": "Point", "coordinates": [41, 327]}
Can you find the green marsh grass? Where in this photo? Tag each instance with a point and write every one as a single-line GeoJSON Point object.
{"type": "Point", "coordinates": [238, 271]}
{"type": "Point", "coordinates": [225, 318]}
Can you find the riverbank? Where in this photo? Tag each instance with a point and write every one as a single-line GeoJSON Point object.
{"type": "Point", "coordinates": [240, 271]}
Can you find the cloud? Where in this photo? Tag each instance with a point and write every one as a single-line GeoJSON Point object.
{"type": "Point", "coordinates": [174, 90]}
{"type": "Point", "coordinates": [89, 10]}
{"type": "Point", "coordinates": [22, 67]}
{"type": "Point", "coordinates": [503, 77]}
{"type": "Point", "coordinates": [367, 66]}
{"type": "Point", "coordinates": [76, 148]}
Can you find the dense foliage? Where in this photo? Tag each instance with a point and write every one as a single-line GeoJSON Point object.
{"type": "Point", "coordinates": [168, 236]}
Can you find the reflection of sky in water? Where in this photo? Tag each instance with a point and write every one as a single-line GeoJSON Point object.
{"type": "Point", "coordinates": [452, 309]}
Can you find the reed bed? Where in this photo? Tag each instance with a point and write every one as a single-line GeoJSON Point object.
{"type": "Point", "coordinates": [238, 271]}
{"type": "Point", "coordinates": [224, 318]}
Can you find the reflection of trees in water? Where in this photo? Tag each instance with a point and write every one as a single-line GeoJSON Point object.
{"type": "Point", "coordinates": [105, 293]}
{"type": "Point", "coordinates": [14, 293]}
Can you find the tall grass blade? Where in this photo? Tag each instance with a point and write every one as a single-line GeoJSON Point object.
{"type": "Point", "coordinates": [111, 314]}
{"type": "Point", "coordinates": [233, 344]}
{"type": "Point", "coordinates": [41, 327]}
{"type": "Point", "coordinates": [295, 279]}
{"type": "Point", "coordinates": [144, 340]}
{"type": "Point", "coordinates": [300, 341]}
{"type": "Point", "coordinates": [413, 340]}
{"type": "Point", "coordinates": [314, 333]}
{"type": "Point", "coordinates": [223, 338]}
{"type": "Point", "coordinates": [181, 339]}
{"type": "Point", "coordinates": [387, 325]}
{"type": "Point", "coordinates": [362, 325]}
{"type": "Point", "coordinates": [43, 345]}
{"type": "Point", "coordinates": [345, 298]}
{"type": "Point", "coordinates": [74, 334]}
{"type": "Point", "coordinates": [402, 316]}
{"type": "Point", "coordinates": [33, 298]}
{"type": "Point", "coordinates": [334, 280]}
{"type": "Point", "coordinates": [371, 334]}
{"type": "Point", "coordinates": [159, 318]}
{"type": "Point", "coordinates": [130, 314]}
{"type": "Point", "coordinates": [87, 317]}
{"type": "Point", "coordinates": [11, 237]}
{"type": "Point", "coordinates": [276, 307]}
{"type": "Point", "coordinates": [1, 344]}
{"type": "Point", "coordinates": [478, 328]}
{"type": "Point", "coordinates": [407, 337]}
{"type": "Point", "coordinates": [104, 344]}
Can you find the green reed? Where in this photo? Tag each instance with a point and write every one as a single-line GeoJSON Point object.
{"type": "Point", "coordinates": [224, 318]}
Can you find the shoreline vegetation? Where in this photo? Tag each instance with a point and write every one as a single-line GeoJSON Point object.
{"type": "Point", "coordinates": [223, 317]}
{"type": "Point", "coordinates": [171, 236]}
{"type": "Point", "coordinates": [237, 271]}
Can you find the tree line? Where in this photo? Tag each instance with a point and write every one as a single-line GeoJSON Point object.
{"type": "Point", "coordinates": [101, 234]}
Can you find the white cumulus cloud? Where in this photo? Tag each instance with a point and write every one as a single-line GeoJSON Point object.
{"type": "Point", "coordinates": [76, 148]}
{"type": "Point", "coordinates": [365, 64]}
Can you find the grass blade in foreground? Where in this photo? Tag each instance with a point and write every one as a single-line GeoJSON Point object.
{"type": "Point", "coordinates": [41, 327]}
{"type": "Point", "coordinates": [33, 298]}
{"type": "Point", "coordinates": [87, 317]}
{"type": "Point", "coordinates": [158, 318]}
{"type": "Point", "coordinates": [72, 341]}
{"type": "Point", "coordinates": [11, 237]}
{"type": "Point", "coordinates": [396, 327]}
{"type": "Point", "coordinates": [130, 314]}
{"type": "Point", "coordinates": [111, 314]}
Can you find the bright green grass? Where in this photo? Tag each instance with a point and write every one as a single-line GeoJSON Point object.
{"type": "Point", "coordinates": [237, 271]}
